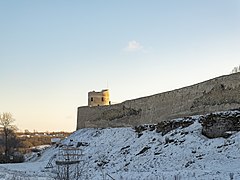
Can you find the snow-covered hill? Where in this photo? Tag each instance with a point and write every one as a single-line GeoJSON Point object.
{"type": "Point", "coordinates": [121, 153]}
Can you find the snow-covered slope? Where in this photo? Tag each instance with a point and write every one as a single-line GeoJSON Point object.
{"type": "Point", "coordinates": [183, 153]}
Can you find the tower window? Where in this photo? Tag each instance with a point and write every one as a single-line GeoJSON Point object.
{"type": "Point", "coordinates": [102, 98]}
{"type": "Point", "coordinates": [91, 98]}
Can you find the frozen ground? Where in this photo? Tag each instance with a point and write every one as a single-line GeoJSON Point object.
{"type": "Point", "coordinates": [183, 153]}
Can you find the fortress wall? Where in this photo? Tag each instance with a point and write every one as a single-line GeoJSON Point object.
{"type": "Point", "coordinates": [106, 116]}
{"type": "Point", "coordinates": [217, 94]}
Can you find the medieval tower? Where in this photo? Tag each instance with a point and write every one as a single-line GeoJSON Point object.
{"type": "Point", "coordinates": [99, 98]}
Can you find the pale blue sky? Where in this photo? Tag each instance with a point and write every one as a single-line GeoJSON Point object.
{"type": "Point", "coordinates": [53, 52]}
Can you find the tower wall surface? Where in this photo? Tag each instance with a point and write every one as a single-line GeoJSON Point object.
{"type": "Point", "coordinates": [98, 98]}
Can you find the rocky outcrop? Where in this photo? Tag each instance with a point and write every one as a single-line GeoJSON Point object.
{"type": "Point", "coordinates": [214, 125]}
{"type": "Point", "coordinates": [167, 126]}
{"type": "Point", "coordinates": [220, 124]}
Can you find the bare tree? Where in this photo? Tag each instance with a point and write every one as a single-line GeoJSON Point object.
{"type": "Point", "coordinates": [7, 129]}
{"type": "Point", "coordinates": [236, 69]}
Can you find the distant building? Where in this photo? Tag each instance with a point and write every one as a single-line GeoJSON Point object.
{"type": "Point", "coordinates": [99, 98]}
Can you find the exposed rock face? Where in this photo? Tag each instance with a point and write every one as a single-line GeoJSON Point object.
{"type": "Point", "coordinates": [166, 126]}
{"type": "Point", "coordinates": [218, 94]}
{"type": "Point", "coordinates": [139, 129]}
{"type": "Point", "coordinates": [220, 125]}
{"type": "Point", "coordinates": [214, 125]}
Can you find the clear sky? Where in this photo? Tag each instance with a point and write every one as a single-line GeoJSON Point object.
{"type": "Point", "coordinates": [53, 52]}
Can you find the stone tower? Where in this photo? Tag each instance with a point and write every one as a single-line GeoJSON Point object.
{"type": "Point", "coordinates": [99, 98]}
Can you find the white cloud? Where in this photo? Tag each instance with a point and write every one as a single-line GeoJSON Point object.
{"type": "Point", "coordinates": [133, 46]}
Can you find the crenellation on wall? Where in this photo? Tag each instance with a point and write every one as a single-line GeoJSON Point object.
{"type": "Point", "coordinates": [221, 93]}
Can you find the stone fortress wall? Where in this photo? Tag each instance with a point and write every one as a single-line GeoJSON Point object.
{"type": "Point", "coordinates": [221, 93]}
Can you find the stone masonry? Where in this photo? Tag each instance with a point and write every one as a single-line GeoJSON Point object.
{"type": "Point", "coordinates": [99, 98]}
{"type": "Point", "coordinates": [221, 93]}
